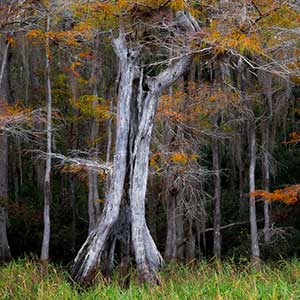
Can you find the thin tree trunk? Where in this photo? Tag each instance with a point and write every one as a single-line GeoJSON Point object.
{"type": "Point", "coordinates": [251, 130]}
{"type": "Point", "coordinates": [240, 164]}
{"type": "Point", "coordinates": [4, 247]}
{"type": "Point", "coordinates": [170, 249]}
{"type": "Point", "coordinates": [26, 68]}
{"type": "Point", "coordinates": [217, 198]}
{"type": "Point", "coordinates": [265, 79]}
{"type": "Point", "coordinates": [179, 232]}
{"type": "Point", "coordinates": [3, 64]}
{"type": "Point", "coordinates": [73, 208]}
{"type": "Point", "coordinates": [4, 250]}
{"type": "Point", "coordinates": [190, 247]}
{"type": "Point", "coordinates": [255, 253]}
{"type": "Point", "coordinates": [109, 130]}
{"type": "Point", "coordinates": [170, 198]}
{"type": "Point", "coordinates": [266, 173]}
{"type": "Point", "coordinates": [47, 182]}
{"type": "Point", "coordinates": [93, 197]}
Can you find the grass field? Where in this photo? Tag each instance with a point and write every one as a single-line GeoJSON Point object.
{"type": "Point", "coordinates": [26, 279]}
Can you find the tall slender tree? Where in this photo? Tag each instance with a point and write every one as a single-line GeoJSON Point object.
{"type": "Point", "coordinates": [47, 180]}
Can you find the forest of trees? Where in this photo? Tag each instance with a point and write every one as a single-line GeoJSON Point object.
{"type": "Point", "coordinates": [135, 133]}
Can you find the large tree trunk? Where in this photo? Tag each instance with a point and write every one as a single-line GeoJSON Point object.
{"type": "Point", "coordinates": [47, 183]}
{"type": "Point", "coordinates": [89, 256]}
{"type": "Point", "coordinates": [217, 197]}
{"type": "Point", "coordinates": [136, 112]}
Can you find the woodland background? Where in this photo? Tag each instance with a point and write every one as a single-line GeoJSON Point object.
{"type": "Point", "coordinates": [226, 133]}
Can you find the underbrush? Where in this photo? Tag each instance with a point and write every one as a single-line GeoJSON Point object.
{"type": "Point", "coordinates": [27, 279]}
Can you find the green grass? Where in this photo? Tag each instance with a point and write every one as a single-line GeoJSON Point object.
{"type": "Point", "coordinates": [26, 279]}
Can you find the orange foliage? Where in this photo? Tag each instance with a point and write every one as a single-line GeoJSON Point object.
{"type": "Point", "coordinates": [233, 38]}
{"type": "Point", "coordinates": [171, 107]}
{"type": "Point", "coordinates": [35, 33]}
{"type": "Point", "coordinates": [12, 114]}
{"type": "Point", "coordinates": [178, 158]}
{"type": "Point", "coordinates": [87, 55]}
{"type": "Point", "coordinates": [294, 138]}
{"type": "Point", "coordinates": [11, 41]}
{"type": "Point", "coordinates": [73, 68]}
{"type": "Point", "coordinates": [288, 195]}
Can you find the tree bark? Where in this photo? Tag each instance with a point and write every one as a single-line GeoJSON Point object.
{"type": "Point", "coordinates": [47, 181]}
{"type": "Point", "coordinates": [190, 247]}
{"type": "Point", "coordinates": [89, 256]}
{"type": "Point", "coordinates": [3, 135]}
{"type": "Point", "coordinates": [136, 112]}
{"type": "Point", "coordinates": [73, 208]}
{"type": "Point", "coordinates": [217, 198]}
{"type": "Point", "coordinates": [266, 79]}
{"type": "Point", "coordinates": [93, 197]}
{"type": "Point", "coordinates": [170, 248]}
{"type": "Point", "coordinates": [251, 128]}
{"type": "Point", "coordinates": [255, 253]}
{"type": "Point", "coordinates": [179, 232]}
{"type": "Point", "coordinates": [240, 164]}
{"type": "Point", "coordinates": [4, 247]}
{"type": "Point", "coordinates": [266, 173]}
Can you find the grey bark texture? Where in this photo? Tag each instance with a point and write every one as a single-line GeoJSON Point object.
{"type": "Point", "coordinates": [251, 126]}
{"type": "Point", "coordinates": [266, 176]}
{"type": "Point", "coordinates": [93, 197]}
{"type": "Point", "coordinates": [136, 112]}
{"type": "Point", "coordinates": [255, 253]}
{"type": "Point", "coordinates": [266, 83]}
{"type": "Point", "coordinates": [47, 183]}
{"type": "Point", "coordinates": [88, 258]}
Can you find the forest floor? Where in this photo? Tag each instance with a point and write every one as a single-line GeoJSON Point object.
{"type": "Point", "coordinates": [26, 279]}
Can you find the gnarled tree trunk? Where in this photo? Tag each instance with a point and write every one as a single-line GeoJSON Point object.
{"type": "Point", "coordinates": [137, 105]}
{"type": "Point", "coordinates": [88, 258]}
